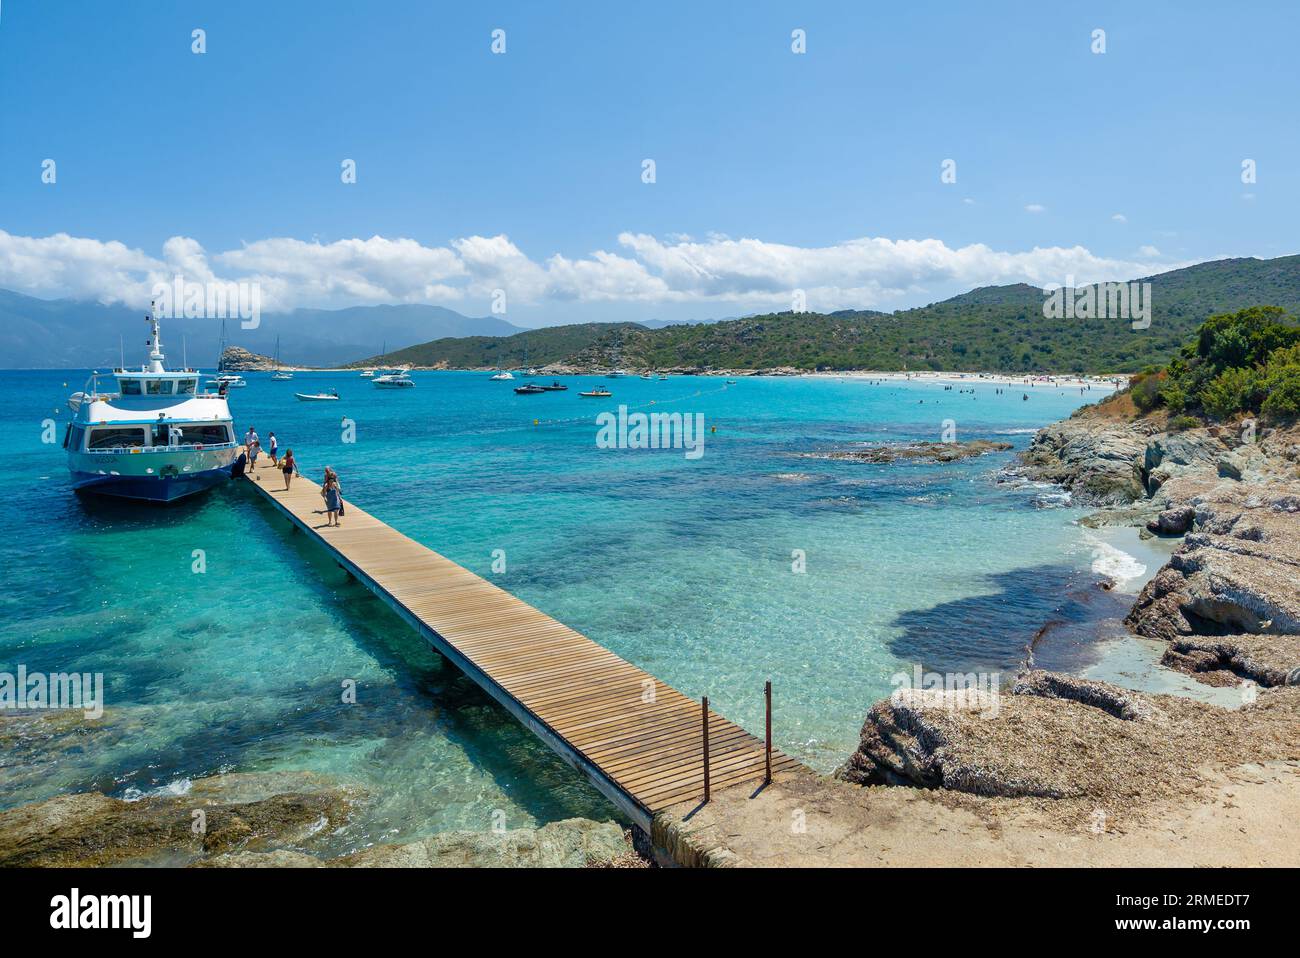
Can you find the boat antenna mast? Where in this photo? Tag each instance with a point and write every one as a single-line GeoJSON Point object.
{"type": "Point", "coordinates": [155, 342]}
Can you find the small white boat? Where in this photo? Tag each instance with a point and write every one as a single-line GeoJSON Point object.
{"type": "Point", "coordinates": [600, 392]}
{"type": "Point", "coordinates": [229, 380]}
{"type": "Point", "coordinates": [616, 373]}
{"type": "Point", "coordinates": [367, 374]}
{"type": "Point", "coordinates": [501, 377]}
{"type": "Point", "coordinates": [317, 397]}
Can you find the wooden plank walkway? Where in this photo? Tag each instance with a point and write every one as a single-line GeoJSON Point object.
{"type": "Point", "coordinates": [637, 739]}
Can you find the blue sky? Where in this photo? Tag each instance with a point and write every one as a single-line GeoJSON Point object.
{"type": "Point", "coordinates": [538, 153]}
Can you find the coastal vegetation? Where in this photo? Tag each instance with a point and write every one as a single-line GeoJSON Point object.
{"type": "Point", "coordinates": [991, 329]}
{"type": "Point", "coordinates": [536, 347]}
{"type": "Point", "coordinates": [1242, 363]}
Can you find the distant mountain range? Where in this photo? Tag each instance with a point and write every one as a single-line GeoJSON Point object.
{"type": "Point", "coordinates": [68, 334]}
{"type": "Point", "coordinates": [994, 328]}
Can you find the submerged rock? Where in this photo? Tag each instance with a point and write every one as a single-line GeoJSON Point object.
{"type": "Point", "coordinates": [572, 843]}
{"type": "Point", "coordinates": [915, 451]}
{"type": "Point", "coordinates": [247, 812]}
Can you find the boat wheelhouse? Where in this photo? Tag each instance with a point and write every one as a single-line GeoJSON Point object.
{"type": "Point", "coordinates": [152, 435]}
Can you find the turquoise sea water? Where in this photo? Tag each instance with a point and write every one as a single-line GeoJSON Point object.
{"type": "Point", "coordinates": [683, 567]}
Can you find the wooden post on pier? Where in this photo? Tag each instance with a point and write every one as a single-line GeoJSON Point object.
{"type": "Point", "coordinates": [767, 758]}
{"type": "Point", "coordinates": [704, 711]}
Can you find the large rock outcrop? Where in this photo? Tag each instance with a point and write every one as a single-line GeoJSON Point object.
{"type": "Point", "coordinates": [1098, 460]}
{"type": "Point", "coordinates": [1057, 737]}
{"type": "Point", "coordinates": [1237, 572]}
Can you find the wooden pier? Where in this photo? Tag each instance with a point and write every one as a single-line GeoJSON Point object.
{"type": "Point", "coordinates": [640, 742]}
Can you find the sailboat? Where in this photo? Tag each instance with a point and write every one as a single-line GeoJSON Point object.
{"type": "Point", "coordinates": [617, 354]}
{"type": "Point", "coordinates": [223, 378]}
{"type": "Point", "coordinates": [279, 373]}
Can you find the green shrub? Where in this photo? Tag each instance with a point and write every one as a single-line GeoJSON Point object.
{"type": "Point", "coordinates": [1282, 388]}
{"type": "Point", "coordinates": [1179, 423]}
{"type": "Point", "coordinates": [1173, 397]}
{"type": "Point", "coordinates": [1145, 390]}
{"type": "Point", "coordinates": [1232, 391]}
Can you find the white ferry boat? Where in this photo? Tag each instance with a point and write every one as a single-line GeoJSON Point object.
{"type": "Point", "coordinates": [154, 436]}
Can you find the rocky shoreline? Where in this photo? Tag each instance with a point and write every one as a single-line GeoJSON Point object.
{"type": "Point", "coordinates": [1227, 605]}
{"type": "Point", "coordinates": [272, 819]}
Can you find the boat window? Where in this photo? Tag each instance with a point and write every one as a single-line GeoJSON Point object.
{"type": "Point", "coordinates": [204, 433]}
{"type": "Point", "coordinates": [130, 387]}
{"type": "Point", "coordinates": [160, 434]}
{"type": "Point", "coordinates": [115, 437]}
{"type": "Point", "coordinates": [75, 437]}
{"type": "Point", "coordinates": [185, 387]}
{"type": "Point", "coordinates": [153, 387]}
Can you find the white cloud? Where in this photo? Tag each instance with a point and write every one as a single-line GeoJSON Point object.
{"type": "Point", "coordinates": [870, 272]}
{"type": "Point", "coordinates": [1035, 208]}
{"type": "Point", "coordinates": [1120, 218]}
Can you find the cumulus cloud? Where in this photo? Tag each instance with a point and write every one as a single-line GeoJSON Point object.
{"type": "Point", "coordinates": [870, 272]}
{"type": "Point", "coordinates": [1035, 208]}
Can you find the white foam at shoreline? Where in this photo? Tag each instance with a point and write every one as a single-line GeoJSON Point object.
{"type": "Point", "coordinates": [1113, 563]}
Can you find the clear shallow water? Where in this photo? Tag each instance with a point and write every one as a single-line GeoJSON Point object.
{"type": "Point", "coordinates": [683, 567]}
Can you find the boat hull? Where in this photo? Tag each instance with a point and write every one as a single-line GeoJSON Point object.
{"type": "Point", "coordinates": [162, 476]}
{"type": "Point", "coordinates": [150, 488]}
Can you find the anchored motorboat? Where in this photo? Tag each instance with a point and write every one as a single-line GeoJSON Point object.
{"type": "Point", "coordinates": [555, 387]}
{"type": "Point", "coordinates": [330, 396]}
{"type": "Point", "coordinates": [152, 435]}
{"type": "Point", "coordinates": [228, 380]}
{"type": "Point", "coordinates": [600, 392]}
{"type": "Point", "coordinates": [529, 389]}
{"type": "Point", "coordinates": [394, 379]}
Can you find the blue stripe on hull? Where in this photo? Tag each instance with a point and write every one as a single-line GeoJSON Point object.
{"type": "Point", "coordinates": [150, 488]}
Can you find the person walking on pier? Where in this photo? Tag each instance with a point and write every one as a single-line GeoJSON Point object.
{"type": "Point", "coordinates": [289, 466]}
{"type": "Point", "coordinates": [252, 444]}
{"type": "Point", "coordinates": [270, 438]}
{"type": "Point", "coordinates": [333, 495]}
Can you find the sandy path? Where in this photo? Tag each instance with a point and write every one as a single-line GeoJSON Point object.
{"type": "Point", "coordinates": [1248, 816]}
